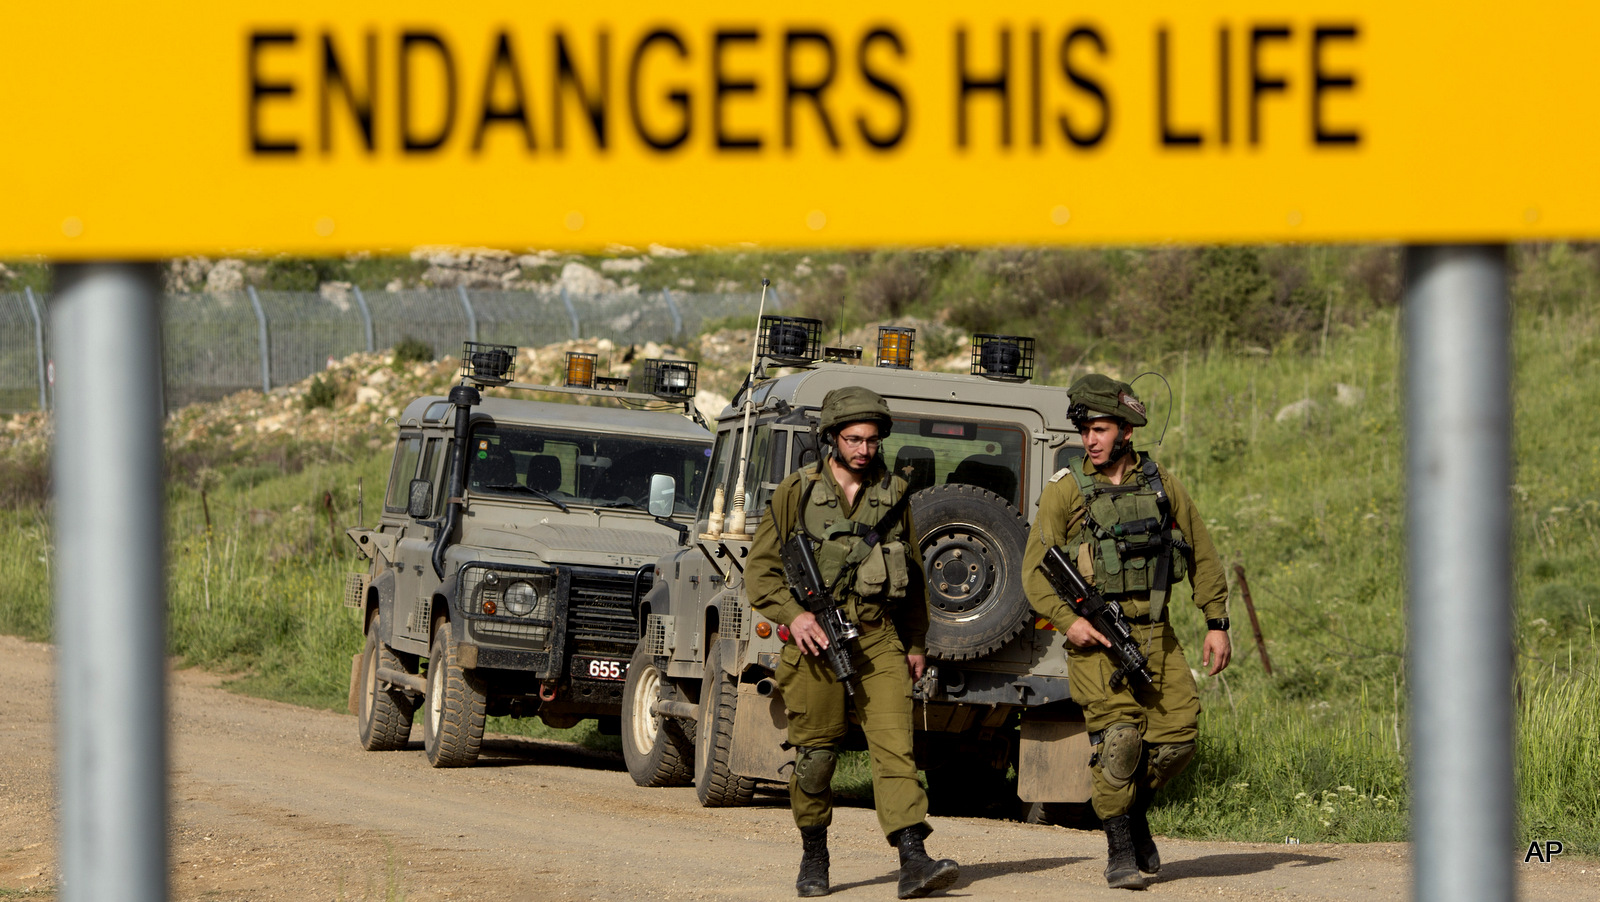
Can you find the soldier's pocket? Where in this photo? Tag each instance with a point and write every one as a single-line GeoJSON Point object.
{"type": "Point", "coordinates": [894, 558]}
{"type": "Point", "coordinates": [872, 574]}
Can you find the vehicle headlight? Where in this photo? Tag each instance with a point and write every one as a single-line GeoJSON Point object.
{"type": "Point", "coordinates": [521, 598]}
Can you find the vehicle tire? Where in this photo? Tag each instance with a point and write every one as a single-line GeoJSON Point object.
{"type": "Point", "coordinates": [972, 543]}
{"type": "Point", "coordinates": [657, 750]}
{"type": "Point", "coordinates": [452, 722]}
{"type": "Point", "coordinates": [383, 719]}
{"type": "Point", "coordinates": [714, 783]}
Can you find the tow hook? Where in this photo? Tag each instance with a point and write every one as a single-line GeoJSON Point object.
{"type": "Point", "coordinates": [547, 691]}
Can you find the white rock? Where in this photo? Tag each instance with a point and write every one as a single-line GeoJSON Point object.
{"type": "Point", "coordinates": [366, 394]}
{"type": "Point", "coordinates": [1299, 409]}
{"type": "Point", "coordinates": [337, 294]}
{"type": "Point", "coordinates": [378, 377]}
{"type": "Point", "coordinates": [658, 250]}
{"type": "Point", "coordinates": [226, 276]}
{"type": "Point", "coordinates": [579, 279]}
{"type": "Point", "coordinates": [395, 285]}
{"type": "Point", "coordinates": [1347, 395]}
{"type": "Point", "coordinates": [624, 264]}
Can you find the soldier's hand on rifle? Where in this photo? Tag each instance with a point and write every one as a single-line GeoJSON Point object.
{"type": "Point", "coordinates": [1217, 644]}
{"type": "Point", "coordinates": [808, 634]}
{"type": "Point", "coordinates": [1083, 634]}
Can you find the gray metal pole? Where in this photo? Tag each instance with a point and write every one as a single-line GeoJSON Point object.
{"type": "Point", "coordinates": [110, 602]}
{"type": "Point", "coordinates": [266, 347]}
{"type": "Point", "coordinates": [571, 313]}
{"type": "Point", "coordinates": [472, 315]}
{"type": "Point", "coordinates": [366, 317]}
{"type": "Point", "coordinates": [1458, 479]}
{"type": "Point", "coordinates": [38, 348]}
{"type": "Point", "coordinates": [672, 308]}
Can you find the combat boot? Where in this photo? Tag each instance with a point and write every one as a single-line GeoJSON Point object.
{"type": "Point", "coordinates": [919, 874]}
{"type": "Point", "coordinates": [813, 879]}
{"type": "Point", "coordinates": [1121, 871]}
{"type": "Point", "coordinates": [1145, 854]}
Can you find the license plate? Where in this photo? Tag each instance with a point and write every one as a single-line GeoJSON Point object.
{"type": "Point", "coordinates": [599, 668]}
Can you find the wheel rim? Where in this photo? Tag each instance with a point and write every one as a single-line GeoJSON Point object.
{"type": "Point", "coordinates": [435, 694]}
{"type": "Point", "coordinates": [645, 726]}
{"type": "Point", "coordinates": [371, 681]}
{"type": "Point", "coordinates": [961, 572]}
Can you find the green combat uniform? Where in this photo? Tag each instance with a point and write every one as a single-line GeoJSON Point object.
{"type": "Point", "coordinates": [1132, 541]}
{"type": "Point", "coordinates": [867, 556]}
{"type": "Point", "coordinates": [893, 623]}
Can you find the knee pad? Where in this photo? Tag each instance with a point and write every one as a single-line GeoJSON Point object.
{"type": "Point", "coordinates": [1167, 761]}
{"type": "Point", "coordinates": [1120, 748]}
{"type": "Point", "coordinates": [813, 768]}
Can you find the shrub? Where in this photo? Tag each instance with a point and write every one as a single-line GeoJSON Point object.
{"type": "Point", "coordinates": [412, 350]}
{"type": "Point", "coordinates": [322, 393]}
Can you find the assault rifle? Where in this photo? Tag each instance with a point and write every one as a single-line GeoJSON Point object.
{"type": "Point", "coordinates": [1102, 614]}
{"type": "Point", "coordinates": [805, 581]}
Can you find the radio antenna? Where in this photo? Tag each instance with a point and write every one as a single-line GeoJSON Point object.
{"type": "Point", "coordinates": [736, 517]}
{"type": "Point", "coordinates": [1168, 421]}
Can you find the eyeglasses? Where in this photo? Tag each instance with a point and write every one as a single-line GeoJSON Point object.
{"type": "Point", "coordinates": [856, 441]}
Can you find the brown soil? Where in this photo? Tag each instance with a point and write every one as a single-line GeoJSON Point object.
{"type": "Point", "coordinates": [275, 802]}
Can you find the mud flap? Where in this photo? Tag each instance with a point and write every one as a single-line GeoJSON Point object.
{"type": "Point", "coordinates": [355, 683]}
{"type": "Point", "coordinates": [1053, 763]}
{"type": "Point", "coordinates": [760, 728]}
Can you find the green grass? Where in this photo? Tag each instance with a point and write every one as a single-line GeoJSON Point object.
{"type": "Point", "coordinates": [1311, 507]}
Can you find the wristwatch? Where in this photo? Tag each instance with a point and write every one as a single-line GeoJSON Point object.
{"type": "Point", "coordinates": [1221, 623]}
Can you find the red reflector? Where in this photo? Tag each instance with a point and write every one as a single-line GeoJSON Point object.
{"type": "Point", "coordinates": [783, 633]}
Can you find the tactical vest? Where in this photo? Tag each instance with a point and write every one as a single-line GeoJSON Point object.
{"type": "Point", "coordinates": [860, 567]}
{"type": "Point", "coordinates": [1129, 535]}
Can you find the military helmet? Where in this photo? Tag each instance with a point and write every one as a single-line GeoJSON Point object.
{"type": "Point", "coordinates": [1098, 397]}
{"type": "Point", "coordinates": [854, 404]}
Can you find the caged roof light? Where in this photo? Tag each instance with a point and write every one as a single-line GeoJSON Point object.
{"type": "Point", "coordinates": [789, 340]}
{"type": "Point", "coordinates": [1008, 358]}
{"type": "Point", "coordinates": [488, 364]}
{"type": "Point", "coordinates": [895, 346]}
{"type": "Point", "coordinates": [580, 369]}
{"type": "Point", "coordinates": [671, 379]}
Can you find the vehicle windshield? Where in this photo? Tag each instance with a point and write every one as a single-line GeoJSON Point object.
{"type": "Point", "coordinates": [582, 468]}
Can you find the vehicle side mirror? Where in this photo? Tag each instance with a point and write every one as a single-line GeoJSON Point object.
{"type": "Point", "coordinates": [663, 493]}
{"type": "Point", "coordinates": [420, 504]}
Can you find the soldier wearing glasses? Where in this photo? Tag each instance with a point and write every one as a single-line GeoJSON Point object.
{"type": "Point", "coordinates": [838, 502]}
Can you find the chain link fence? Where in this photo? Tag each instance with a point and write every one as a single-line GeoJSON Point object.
{"type": "Point", "coordinates": [216, 344]}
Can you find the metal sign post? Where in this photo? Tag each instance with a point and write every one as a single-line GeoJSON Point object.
{"type": "Point", "coordinates": [1458, 531]}
{"type": "Point", "coordinates": [110, 590]}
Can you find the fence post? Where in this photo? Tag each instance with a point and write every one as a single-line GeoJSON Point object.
{"type": "Point", "coordinates": [677, 318]}
{"type": "Point", "coordinates": [571, 313]}
{"type": "Point", "coordinates": [472, 316]}
{"type": "Point", "coordinates": [266, 352]}
{"type": "Point", "coordinates": [366, 317]}
{"type": "Point", "coordinates": [38, 347]}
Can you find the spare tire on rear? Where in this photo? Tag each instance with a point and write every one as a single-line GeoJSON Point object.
{"type": "Point", "coordinates": [972, 542]}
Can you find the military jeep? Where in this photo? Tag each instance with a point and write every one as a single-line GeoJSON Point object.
{"type": "Point", "coordinates": [514, 546]}
{"type": "Point", "coordinates": [700, 704]}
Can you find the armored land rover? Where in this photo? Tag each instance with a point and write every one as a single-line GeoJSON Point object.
{"type": "Point", "coordinates": [700, 704]}
{"type": "Point", "coordinates": [514, 547]}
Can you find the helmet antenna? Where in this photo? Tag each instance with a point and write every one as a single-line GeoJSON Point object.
{"type": "Point", "coordinates": [1168, 421]}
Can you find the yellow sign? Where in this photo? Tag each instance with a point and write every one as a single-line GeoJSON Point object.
{"type": "Point", "coordinates": [164, 128]}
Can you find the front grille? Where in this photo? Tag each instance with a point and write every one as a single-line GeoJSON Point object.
{"type": "Point", "coordinates": [600, 608]}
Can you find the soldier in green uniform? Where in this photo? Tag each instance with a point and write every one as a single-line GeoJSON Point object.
{"type": "Point", "coordinates": [1133, 531]}
{"type": "Point", "coordinates": [853, 510]}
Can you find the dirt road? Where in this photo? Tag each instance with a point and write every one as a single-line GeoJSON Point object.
{"type": "Point", "coordinates": [274, 802]}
